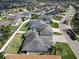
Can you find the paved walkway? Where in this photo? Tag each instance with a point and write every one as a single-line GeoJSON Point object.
{"type": "Point", "coordinates": [59, 38]}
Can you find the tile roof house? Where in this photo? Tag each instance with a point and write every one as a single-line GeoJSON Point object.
{"type": "Point", "coordinates": [33, 43]}
{"type": "Point", "coordinates": [33, 57]}
{"type": "Point", "coordinates": [45, 18]}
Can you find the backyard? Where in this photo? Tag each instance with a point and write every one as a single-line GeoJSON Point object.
{"type": "Point", "coordinates": [14, 46]}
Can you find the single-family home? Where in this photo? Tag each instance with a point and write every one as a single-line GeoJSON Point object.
{"type": "Point", "coordinates": [45, 18]}
{"type": "Point", "coordinates": [33, 43]}
{"type": "Point", "coordinates": [37, 24]}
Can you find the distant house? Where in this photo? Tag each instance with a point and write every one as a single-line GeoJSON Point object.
{"type": "Point", "coordinates": [34, 43]}
{"type": "Point", "coordinates": [20, 15]}
{"type": "Point", "coordinates": [8, 22]}
{"type": "Point", "coordinates": [45, 18]}
{"type": "Point", "coordinates": [54, 12]}
{"type": "Point", "coordinates": [4, 23]}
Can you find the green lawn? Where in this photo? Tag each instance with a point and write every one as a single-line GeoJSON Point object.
{"type": "Point", "coordinates": [54, 25]}
{"type": "Point", "coordinates": [15, 44]}
{"type": "Point", "coordinates": [65, 51]}
{"type": "Point", "coordinates": [58, 18]}
{"type": "Point", "coordinates": [13, 28]}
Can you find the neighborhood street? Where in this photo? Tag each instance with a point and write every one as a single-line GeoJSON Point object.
{"type": "Point", "coordinates": [73, 44]}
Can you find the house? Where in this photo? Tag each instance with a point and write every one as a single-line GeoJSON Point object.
{"type": "Point", "coordinates": [33, 43]}
{"type": "Point", "coordinates": [33, 57]}
{"type": "Point", "coordinates": [55, 12]}
{"type": "Point", "coordinates": [20, 15]}
{"type": "Point", "coordinates": [8, 22]}
{"type": "Point", "coordinates": [37, 24]}
{"type": "Point", "coordinates": [41, 27]}
{"type": "Point", "coordinates": [4, 23]}
{"type": "Point", "coordinates": [45, 18]}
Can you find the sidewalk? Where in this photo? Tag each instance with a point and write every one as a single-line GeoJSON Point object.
{"type": "Point", "coordinates": [59, 38]}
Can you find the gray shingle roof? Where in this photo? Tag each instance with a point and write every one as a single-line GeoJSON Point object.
{"type": "Point", "coordinates": [33, 43]}
{"type": "Point", "coordinates": [46, 31]}
{"type": "Point", "coordinates": [4, 23]}
{"type": "Point", "coordinates": [37, 24]}
{"type": "Point", "coordinates": [7, 22]}
{"type": "Point", "coordinates": [20, 15]}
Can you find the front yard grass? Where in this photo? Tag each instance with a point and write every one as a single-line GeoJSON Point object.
{"type": "Point", "coordinates": [65, 51]}
{"type": "Point", "coordinates": [14, 46]}
{"type": "Point", "coordinates": [54, 25]}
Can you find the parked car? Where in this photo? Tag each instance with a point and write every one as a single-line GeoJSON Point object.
{"type": "Point", "coordinates": [71, 34]}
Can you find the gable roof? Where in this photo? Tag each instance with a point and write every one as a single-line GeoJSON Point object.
{"type": "Point", "coordinates": [33, 57]}
{"type": "Point", "coordinates": [37, 24]}
{"type": "Point", "coordinates": [46, 31]}
{"type": "Point", "coordinates": [33, 43]}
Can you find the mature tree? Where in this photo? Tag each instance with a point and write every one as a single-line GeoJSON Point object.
{"type": "Point", "coordinates": [2, 55]}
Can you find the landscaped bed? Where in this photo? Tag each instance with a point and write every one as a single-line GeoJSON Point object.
{"type": "Point", "coordinates": [65, 51]}
{"type": "Point", "coordinates": [14, 46]}
{"type": "Point", "coordinates": [57, 33]}
{"type": "Point", "coordinates": [54, 25]}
